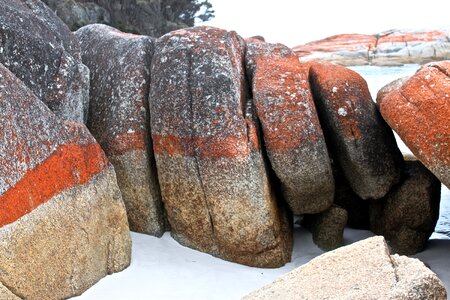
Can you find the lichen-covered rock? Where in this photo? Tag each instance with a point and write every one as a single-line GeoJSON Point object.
{"type": "Point", "coordinates": [211, 171]}
{"type": "Point", "coordinates": [119, 117]}
{"type": "Point", "coordinates": [63, 224]}
{"type": "Point", "coordinates": [40, 50]}
{"type": "Point", "coordinates": [363, 270]}
{"type": "Point", "coordinates": [419, 111]}
{"type": "Point", "coordinates": [361, 142]}
{"type": "Point", "coordinates": [327, 227]}
{"type": "Point", "coordinates": [292, 134]}
{"type": "Point", "coordinates": [406, 217]}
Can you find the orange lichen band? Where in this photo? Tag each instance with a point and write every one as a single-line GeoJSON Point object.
{"type": "Point", "coordinates": [206, 147]}
{"type": "Point", "coordinates": [68, 166]}
{"type": "Point", "coordinates": [122, 143]}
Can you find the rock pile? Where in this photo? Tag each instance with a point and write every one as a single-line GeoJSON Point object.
{"type": "Point", "coordinates": [232, 136]}
{"type": "Point", "coordinates": [392, 47]}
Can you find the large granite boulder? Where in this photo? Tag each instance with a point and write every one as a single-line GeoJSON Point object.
{"type": "Point", "coordinates": [408, 214]}
{"type": "Point", "coordinates": [361, 143]}
{"type": "Point", "coordinates": [418, 109]}
{"type": "Point", "coordinates": [119, 117]}
{"type": "Point", "coordinates": [63, 224]}
{"type": "Point", "coordinates": [40, 50]}
{"type": "Point", "coordinates": [292, 134]}
{"type": "Point", "coordinates": [363, 270]}
{"type": "Point", "coordinates": [211, 170]}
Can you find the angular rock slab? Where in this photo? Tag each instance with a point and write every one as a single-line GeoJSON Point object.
{"type": "Point", "coordinates": [119, 118]}
{"type": "Point", "coordinates": [63, 224]}
{"type": "Point", "coordinates": [41, 51]}
{"type": "Point", "coordinates": [363, 270]}
{"type": "Point", "coordinates": [211, 171]}
{"type": "Point", "coordinates": [408, 214]}
{"type": "Point", "coordinates": [418, 109]}
{"type": "Point", "coordinates": [361, 142]}
{"type": "Point", "coordinates": [293, 137]}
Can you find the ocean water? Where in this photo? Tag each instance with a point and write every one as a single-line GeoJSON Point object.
{"type": "Point", "coordinates": [376, 78]}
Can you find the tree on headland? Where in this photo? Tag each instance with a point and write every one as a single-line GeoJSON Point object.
{"type": "Point", "coordinates": [149, 17]}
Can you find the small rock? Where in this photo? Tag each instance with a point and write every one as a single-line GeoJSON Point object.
{"type": "Point", "coordinates": [327, 227]}
{"type": "Point", "coordinates": [361, 142]}
{"type": "Point", "coordinates": [292, 134]}
{"type": "Point", "coordinates": [419, 111]}
{"type": "Point", "coordinates": [363, 270]}
{"type": "Point", "coordinates": [408, 214]}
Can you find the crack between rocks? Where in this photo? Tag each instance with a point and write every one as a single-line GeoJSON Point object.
{"type": "Point", "coordinates": [11, 291]}
{"type": "Point", "coordinates": [196, 154]}
{"type": "Point", "coordinates": [394, 267]}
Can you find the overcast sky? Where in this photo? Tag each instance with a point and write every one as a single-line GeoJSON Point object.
{"type": "Point", "coordinates": [295, 22]}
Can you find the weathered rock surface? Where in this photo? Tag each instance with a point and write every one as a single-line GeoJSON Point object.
{"type": "Point", "coordinates": [293, 137]}
{"type": "Point", "coordinates": [63, 224]}
{"type": "Point", "coordinates": [363, 270]}
{"type": "Point", "coordinates": [387, 48]}
{"type": "Point", "coordinates": [419, 111]}
{"type": "Point", "coordinates": [119, 117]}
{"type": "Point", "coordinates": [327, 227]}
{"type": "Point", "coordinates": [211, 171]}
{"type": "Point", "coordinates": [408, 214]}
{"type": "Point", "coordinates": [40, 50]}
{"type": "Point", "coordinates": [361, 142]}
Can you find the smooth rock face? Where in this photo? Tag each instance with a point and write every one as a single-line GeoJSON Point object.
{"type": "Point", "coordinates": [408, 214]}
{"type": "Point", "coordinates": [327, 227]}
{"type": "Point", "coordinates": [40, 50]}
{"type": "Point", "coordinates": [386, 48]}
{"type": "Point", "coordinates": [419, 112]}
{"type": "Point", "coordinates": [211, 171]}
{"type": "Point", "coordinates": [119, 117]}
{"type": "Point", "coordinates": [363, 270]}
{"type": "Point", "coordinates": [292, 134]}
{"type": "Point", "coordinates": [63, 224]}
{"type": "Point", "coordinates": [361, 142]}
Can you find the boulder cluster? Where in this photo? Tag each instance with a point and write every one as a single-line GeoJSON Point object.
{"type": "Point", "coordinates": [217, 139]}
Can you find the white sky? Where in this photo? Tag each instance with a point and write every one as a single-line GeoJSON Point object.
{"type": "Point", "coordinates": [295, 22]}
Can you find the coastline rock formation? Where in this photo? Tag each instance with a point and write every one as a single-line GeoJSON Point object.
{"type": "Point", "coordinates": [362, 270]}
{"type": "Point", "coordinates": [394, 47]}
{"type": "Point", "coordinates": [119, 118]}
{"type": "Point", "coordinates": [361, 142]}
{"type": "Point", "coordinates": [293, 137]}
{"type": "Point", "coordinates": [45, 55]}
{"type": "Point", "coordinates": [418, 109]}
{"type": "Point", "coordinates": [212, 174]}
{"type": "Point", "coordinates": [63, 224]}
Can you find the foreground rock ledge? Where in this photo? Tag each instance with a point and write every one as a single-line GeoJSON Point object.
{"type": "Point", "coordinates": [363, 270]}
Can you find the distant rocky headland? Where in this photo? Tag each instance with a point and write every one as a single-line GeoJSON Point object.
{"type": "Point", "coordinates": [393, 47]}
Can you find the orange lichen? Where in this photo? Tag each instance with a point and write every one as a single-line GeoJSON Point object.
{"type": "Point", "coordinates": [68, 166]}
{"type": "Point", "coordinates": [125, 142]}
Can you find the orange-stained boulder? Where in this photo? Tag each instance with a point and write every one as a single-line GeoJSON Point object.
{"type": "Point", "coordinates": [63, 224]}
{"type": "Point", "coordinates": [119, 117]}
{"type": "Point", "coordinates": [211, 170]}
{"type": "Point", "coordinates": [293, 137]}
{"type": "Point", "coordinates": [418, 109]}
{"type": "Point", "coordinates": [361, 143]}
